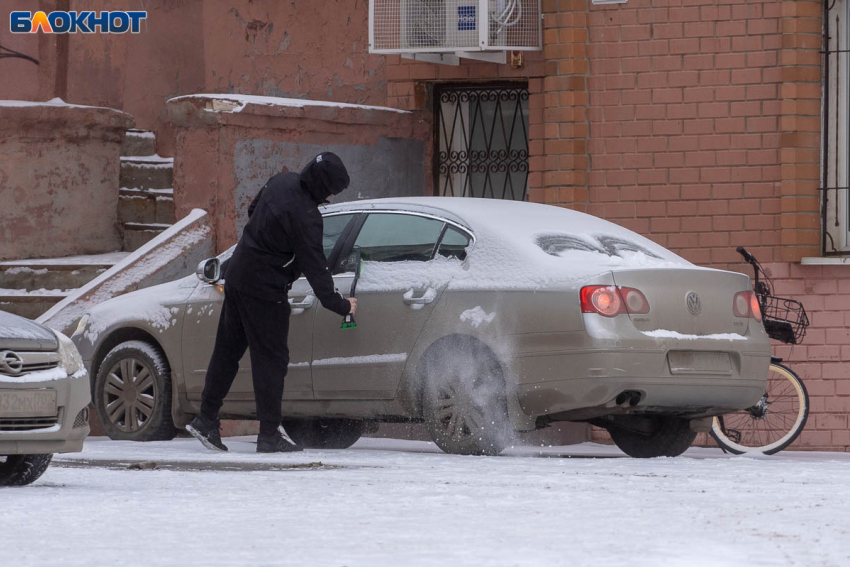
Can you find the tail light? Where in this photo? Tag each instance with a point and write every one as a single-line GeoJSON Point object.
{"type": "Point", "coordinates": [610, 301]}
{"type": "Point", "coordinates": [746, 304]}
{"type": "Point", "coordinates": [636, 302]}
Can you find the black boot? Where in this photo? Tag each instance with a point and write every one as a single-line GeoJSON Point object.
{"type": "Point", "coordinates": [277, 442]}
{"type": "Point", "coordinates": [206, 432]}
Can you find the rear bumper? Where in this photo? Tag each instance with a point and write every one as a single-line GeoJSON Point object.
{"type": "Point", "coordinates": [73, 396]}
{"type": "Point", "coordinates": [597, 370]}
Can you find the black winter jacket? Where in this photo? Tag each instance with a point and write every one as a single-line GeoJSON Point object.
{"type": "Point", "coordinates": [283, 237]}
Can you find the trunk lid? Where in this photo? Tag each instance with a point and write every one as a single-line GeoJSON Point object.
{"type": "Point", "coordinates": [687, 301]}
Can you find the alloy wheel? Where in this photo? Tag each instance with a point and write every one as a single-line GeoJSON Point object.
{"type": "Point", "coordinates": [456, 414]}
{"type": "Point", "coordinates": [129, 395]}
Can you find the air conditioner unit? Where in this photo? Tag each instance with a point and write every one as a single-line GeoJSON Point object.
{"type": "Point", "coordinates": [464, 28]}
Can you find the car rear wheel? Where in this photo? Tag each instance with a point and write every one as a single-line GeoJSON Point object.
{"type": "Point", "coordinates": [325, 433]}
{"type": "Point", "coordinates": [464, 403]}
{"type": "Point", "coordinates": [672, 437]}
{"type": "Point", "coordinates": [132, 394]}
{"type": "Point", "coordinates": [18, 470]}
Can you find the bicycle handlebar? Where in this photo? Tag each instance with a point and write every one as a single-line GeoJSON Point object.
{"type": "Point", "coordinates": [747, 256]}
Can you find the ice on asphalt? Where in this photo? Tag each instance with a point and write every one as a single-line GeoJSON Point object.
{"type": "Point", "coordinates": [388, 502]}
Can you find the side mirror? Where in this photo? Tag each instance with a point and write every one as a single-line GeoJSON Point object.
{"type": "Point", "coordinates": [209, 270]}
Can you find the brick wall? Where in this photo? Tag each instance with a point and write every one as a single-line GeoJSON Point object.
{"type": "Point", "coordinates": [685, 124]}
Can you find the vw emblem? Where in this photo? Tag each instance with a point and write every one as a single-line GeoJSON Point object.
{"type": "Point", "coordinates": [10, 362]}
{"type": "Point", "coordinates": [694, 305]}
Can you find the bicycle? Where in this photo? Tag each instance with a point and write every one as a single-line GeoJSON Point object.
{"type": "Point", "coordinates": [779, 417]}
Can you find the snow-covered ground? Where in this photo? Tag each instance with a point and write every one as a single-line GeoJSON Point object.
{"type": "Point", "coordinates": [403, 503]}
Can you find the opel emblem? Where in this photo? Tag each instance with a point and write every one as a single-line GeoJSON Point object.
{"type": "Point", "coordinates": [694, 305]}
{"type": "Point", "coordinates": [10, 362]}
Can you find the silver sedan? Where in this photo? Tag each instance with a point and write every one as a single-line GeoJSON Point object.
{"type": "Point", "coordinates": [478, 317]}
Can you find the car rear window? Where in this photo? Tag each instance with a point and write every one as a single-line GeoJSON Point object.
{"type": "Point", "coordinates": [556, 244]}
{"type": "Point", "coordinates": [454, 244]}
{"type": "Point", "coordinates": [391, 237]}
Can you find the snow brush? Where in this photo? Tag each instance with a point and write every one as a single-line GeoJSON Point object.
{"type": "Point", "coordinates": [348, 321]}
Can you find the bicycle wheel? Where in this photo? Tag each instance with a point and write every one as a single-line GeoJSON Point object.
{"type": "Point", "coordinates": [770, 425]}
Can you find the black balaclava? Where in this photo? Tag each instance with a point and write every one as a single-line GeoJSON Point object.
{"type": "Point", "coordinates": [324, 176]}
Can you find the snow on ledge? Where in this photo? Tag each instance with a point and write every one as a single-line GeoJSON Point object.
{"type": "Point", "coordinates": [236, 102]}
{"type": "Point", "coordinates": [54, 102]}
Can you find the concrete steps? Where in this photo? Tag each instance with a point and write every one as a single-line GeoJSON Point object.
{"type": "Point", "coordinates": [146, 172]}
{"type": "Point", "coordinates": [139, 143]}
{"type": "Point", "coordinates": [137, 234]}
{"type": "Point", "coordinates": [145, 197]}
{"type": "Point", "coordinates": [145, 206]}
{"type": "Point", "coordinates": [31, 287]}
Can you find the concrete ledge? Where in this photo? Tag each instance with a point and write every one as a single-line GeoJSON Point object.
{"type": "Point", "coordinates": [208, 109]}
{"type": "Point", "coordinates": [59, 169]}
{"type": "Point", "coordinates": [173, 254]}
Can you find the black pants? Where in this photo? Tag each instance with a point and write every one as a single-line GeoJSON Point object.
{"type": "Point", "coordinates": [262, 326]}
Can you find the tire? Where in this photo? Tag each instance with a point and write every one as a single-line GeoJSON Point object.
{"type": "Point", "coordinates": [146, 414]}
{"type": "Point", "coordinates": [464, 401]}
{"type": "Point", "coordinates": [773, 423]}
{"type": "Point", "coordinates": [671, 438]}
{"type": "Point", "coordinates": [325, 433]}
{"type": "Point", "coordinates": [19, 470]}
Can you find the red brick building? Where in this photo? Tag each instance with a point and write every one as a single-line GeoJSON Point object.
{"type": "Point", "coordinates": [701, 124]}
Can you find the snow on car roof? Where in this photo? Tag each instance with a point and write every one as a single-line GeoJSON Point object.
{"type": "Point", "coordinates": [517, 221]}
{"type": "Point", "coordinates": [519, 245]}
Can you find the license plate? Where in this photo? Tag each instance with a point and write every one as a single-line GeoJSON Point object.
{"type": "Point", "coordinates": [27, 403]}
{"type": "Point", "coordinates": [692, 362]}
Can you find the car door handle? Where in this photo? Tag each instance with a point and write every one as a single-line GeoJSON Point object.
{"type": "Point", "coordinates": [427, 297]}
{"type": "Point", "coordinates": [306, 304]}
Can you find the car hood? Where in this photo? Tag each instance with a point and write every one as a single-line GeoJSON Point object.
{"type": "Point", "coordinates": [17, 333]}
{"type": "Point", "coordinates": [153, 308]}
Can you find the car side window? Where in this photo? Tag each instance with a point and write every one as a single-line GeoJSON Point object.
{"type": "Point", "coordinates": [393, 237]}
{"type": "Point", "coordinates": [454, 243]}
{"type": "Point", "coordinates": [334, 226]}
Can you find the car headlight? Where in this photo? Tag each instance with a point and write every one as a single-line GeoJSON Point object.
{"type": "Point", "coordinates": [81, 325]}
{"type": "Point", "coordinates": [69, 356]}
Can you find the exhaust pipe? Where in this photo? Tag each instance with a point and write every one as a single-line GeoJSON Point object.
{"type": "Point", "coordinates": [629, 397]}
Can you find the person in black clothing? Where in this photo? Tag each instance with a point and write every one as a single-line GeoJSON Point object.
{"type": "Point", "coordinates": [282, 239]}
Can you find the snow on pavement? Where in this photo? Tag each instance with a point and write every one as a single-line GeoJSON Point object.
{"type": "Point", "coordinates": [388, 502]}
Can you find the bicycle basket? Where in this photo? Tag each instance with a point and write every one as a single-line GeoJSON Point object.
{"type": "Point", "coordinates": [784, 319]}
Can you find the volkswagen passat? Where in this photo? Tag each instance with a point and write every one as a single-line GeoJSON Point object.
{"type": "Point", "coordinates": [479, 317]}
{"type": "Point", "coordinates": [44, 398]}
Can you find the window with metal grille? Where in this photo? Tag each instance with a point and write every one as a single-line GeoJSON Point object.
{"type": "Point", "coordinates": [835, 151]}
{"type": "Point", "coordinates": [481, 146]}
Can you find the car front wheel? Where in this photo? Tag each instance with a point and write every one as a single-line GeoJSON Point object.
{"type": "Point", "coordinates": [132, 394]}
{"type": "Point", "coordinates": [670, 438]}
{"type": "Point", "coordinates": [18, 470]}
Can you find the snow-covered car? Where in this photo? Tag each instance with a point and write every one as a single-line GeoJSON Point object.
{"type": "Point", "coordinates": [479, 317]}
{"type": "Point", "coordinates": [44, 399]}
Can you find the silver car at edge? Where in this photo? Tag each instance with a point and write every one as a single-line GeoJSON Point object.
{"type": "Point", "coordinates": [44, 398]}
{"type": "Point", "coordinates": [478, 317]}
